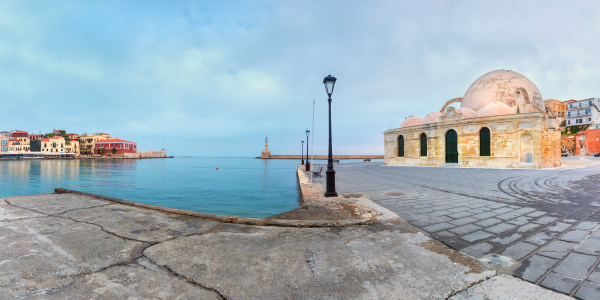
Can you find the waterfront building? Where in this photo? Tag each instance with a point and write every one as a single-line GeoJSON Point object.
{"type": "Point", "coordinates": [585, 113]}
{"type": "Point", "coordinates": [55, 144]}
{"type": "Point", "coordinates": [34, 137]}
{"type": "Point", "coordinates": [502, 122]}
{"type": "Point", "coordinates": [105, 147]}
{"type": "Point", "coordinates": [3, 143]}
{"type": "Point", "coordinates": [87, 141]}
{"type": "Point", "coordinates": [5, 134]}
{"type": "Point", "coordinates": [73, 136]}
{"type": "Point", "coordinates": [72, 146]}
{"type": "Point", "coordinates": [23, 137]}
{"type": "Point", "coordinates": [14, 145]}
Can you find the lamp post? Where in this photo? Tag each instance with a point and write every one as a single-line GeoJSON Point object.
{"type": "Point", "coordinates": [302, 152]}
{"type": "Point", "coordinates": [307, 168]}
{"type": "Point", "coordinates": [329, 83]}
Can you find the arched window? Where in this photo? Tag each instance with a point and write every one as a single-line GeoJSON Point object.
{"type": "Point", "coordinates": [484, 142]}
{"type": "Point", "coordinates": [400, 146]}
{"type": "Point", "coordinates": [423, 144]}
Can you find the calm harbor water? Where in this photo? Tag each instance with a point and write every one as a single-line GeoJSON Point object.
{"type": "Point", "coordinates": [244, 187]}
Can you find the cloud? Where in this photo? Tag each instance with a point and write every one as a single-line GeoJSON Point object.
{"type": "Point", "coordinates": [216, 78]}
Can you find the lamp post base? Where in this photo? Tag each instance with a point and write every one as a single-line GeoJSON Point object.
{"type": "Point", "coordinates": [330, 183]}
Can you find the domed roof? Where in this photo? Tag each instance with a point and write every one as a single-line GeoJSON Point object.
{"type": "Point", "coordinates": [411, 121]}
{"type": "Point", "coordinates": [501, 86]}
{"type": "Point", "coordinates": [495, 109]}
{"type": "Point", "coordinates": [433, 117]}
{"type": "Point", "coordinates": [467, 113]}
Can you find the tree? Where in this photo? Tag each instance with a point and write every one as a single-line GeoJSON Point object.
{"type": "Point", "coordinates": [114, 151]}
{"type": "Point", "coordinates": [102, 151]}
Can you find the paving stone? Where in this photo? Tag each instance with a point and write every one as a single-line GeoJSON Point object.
{"type": "Point", "coordinates": [507, 240]}
{"type": "Point", "coordinates": [589, 246]}
{"type": "Point", "coordinates": [438, 227]}
{"type": "Point", "coordinates": [595, 234]}
{"type": "Point", "coordinates": [484, 215]}
{"type": "Point", "coordinates": [587, 225]}
{"type": "Point", "coordinates": [438, 213]}
{"type": "Point", "coordinates": [533, 268]}
{"type": "Point", "coordinates": [463, 221]}
{"type": "Point", "coordinates": [569, 220]}
{"type": "Point", "coordinates": [594, 276]}
{"type": "Point", "coordinates": [528, 227]}
{"type": "Point", "coordinates": [460, 215]}
{"type": "Point", "coordinates": [524, 210]}
{"type": "Point", "coordinates": [497, 205]}
{"type": "Point", "coordinates": [519, 250]}
{"type": "Point", "coordinates": [520, 221]}
{"type": "Point", "coordinates": [574, 236]}
{"type": "Point", "coordinates": [502, 227]}
{"type": "Point", "coordinates": [465, 229]}
{"type": "Point", "coordinates": [560, 283]}
{"type": "Point", "coordinates": [502, 210]}
{"type": "Point", "coordinates": [443, 235]}
{"type": "Point", "coordinates": [545, 220]}
{"type": "Point", "coordinates": [431, 221]}
{"type": "Point", "coordinates": [477, 250]}
{"type": "Point", "coordinates": [557, 249]}
{"type": "Point", "coordinates": [476, 236]}
{"type": "Point", "coordinates": [576, 265]}
{"type": "Point", "coordinates": [507, 216]}
{"type": "Point", "coordinates": [536, 214]}
{"type": "Point", "coordinates": [588, 291]}
{"type": "Point", "coordinates": [542, 238]}
{"type": "Point", "coordinates": [559, 227]}
{"type": "Point", "coordinates": [488, 222]}
{"type": "Point", "coordinates": [456, 244]}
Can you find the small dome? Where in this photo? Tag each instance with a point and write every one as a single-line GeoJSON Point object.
{"type": "Point", "coordinates": [433, 117]}
{"type": "Point", "coordinates": [467, 113]}
{"type": "Point", "coordinates": [411, 121]}
{"type": "Point", "coordinates": [502, 86]}
{"type": "Point", "coordinates": [495, 109]}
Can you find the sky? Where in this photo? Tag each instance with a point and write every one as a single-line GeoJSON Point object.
{"type": "Point", "coordinates": [214, 78]}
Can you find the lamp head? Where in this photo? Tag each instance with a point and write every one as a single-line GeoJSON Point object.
{"type": "Point", "coordinates": [307, 133]}
{"type": "Point", "coordinates": [329, 82]}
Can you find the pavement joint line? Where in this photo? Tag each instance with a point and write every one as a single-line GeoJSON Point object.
{"type": "Point", "coordinates": [189, 280]}
{"type": "Point", "coordinates": [470, 285]}
{"type": "Point", "coordinates": [585, 278]}
{"type": "Point", "coordinates": [79, 208]}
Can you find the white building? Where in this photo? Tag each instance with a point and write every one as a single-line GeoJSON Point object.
{"type": "Point", "coordinates": [584, 112]}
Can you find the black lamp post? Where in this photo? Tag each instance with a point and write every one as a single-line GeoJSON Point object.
{"type": "Point", "coordinates": [329, 82]}
{"type": "Point", "coordinates": [302, 152]}
{"type": "Point", "coordinates": [307, 162]}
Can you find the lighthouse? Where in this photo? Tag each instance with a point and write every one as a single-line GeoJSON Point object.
{"type": "Point", "coordinates": [266, 153]}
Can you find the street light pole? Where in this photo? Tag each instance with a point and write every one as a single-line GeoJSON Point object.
{"type": "Point", "coordinates": [307, 162]}
{"type": "Point", "coordinates": [302, 152]}
{"type": "Point", "coordinates": [329, 82]}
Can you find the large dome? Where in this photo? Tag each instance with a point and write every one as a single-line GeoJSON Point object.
{"type": "Point", "coordinates": [502, 86]}
{"type": "Point", "coordinates": [411, 121]}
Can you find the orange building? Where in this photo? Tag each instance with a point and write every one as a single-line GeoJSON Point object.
{"type": "Point", "coordinates": [587, 142]}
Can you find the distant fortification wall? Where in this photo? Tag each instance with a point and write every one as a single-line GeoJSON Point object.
{"type": "Point", "coordinates": [146, 154]}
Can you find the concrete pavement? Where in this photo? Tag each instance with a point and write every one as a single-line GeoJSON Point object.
{"type": "Point", "coordinates": [65, 246]}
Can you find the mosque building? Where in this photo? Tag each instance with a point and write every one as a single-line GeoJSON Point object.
{"type": "Point", "coordinates": [502, 122]}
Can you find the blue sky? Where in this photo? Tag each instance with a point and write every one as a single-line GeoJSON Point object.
{"type": "Point", "coordinates": [214, 78]}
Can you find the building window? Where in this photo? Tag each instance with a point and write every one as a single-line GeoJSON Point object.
{"type": "Point", "coordinates": [423, 144]}
{"type": "Point", "coordinates": [484, 142]}
{"type": "Point", "coordinates": [400, 146]}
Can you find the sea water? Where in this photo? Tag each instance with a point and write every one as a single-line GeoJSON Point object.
{"type": "Point", "coordinates": [235, 186]}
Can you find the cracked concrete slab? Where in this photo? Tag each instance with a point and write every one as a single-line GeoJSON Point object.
{"type": "Point", "coordinates": [141, 224]}
{"type": "Point", "coordinates": [9, 212]}
{"type": "Point", "coordinates": [54, 204]}
{"type": "Point", "coordinates": [341, 263]}
{"type": "Point", "coordinates": [44, 254]}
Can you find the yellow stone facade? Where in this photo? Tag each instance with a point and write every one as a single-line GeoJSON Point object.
{"type": "Point", "coordinates": [520, 134]}
{"type": "Point", "coordinates": [72, 147]}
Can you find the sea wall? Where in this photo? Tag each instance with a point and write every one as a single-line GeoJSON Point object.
{"type": "Point", "coordinates": [146, 154]}
{"type": "Point", "coordinates": [325, 157]}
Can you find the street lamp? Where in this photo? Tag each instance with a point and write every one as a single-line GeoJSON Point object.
{"type": "Point", "coordinates": [302, 152]}
{"type": "Point", "coordinates": [329, 83]}
{"type": "Point", "coordinates": [307, 162]}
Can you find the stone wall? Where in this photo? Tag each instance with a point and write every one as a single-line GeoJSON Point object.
{"type": "Point", "coordinates": [147, 154]}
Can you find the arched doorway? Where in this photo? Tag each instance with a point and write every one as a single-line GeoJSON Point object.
{"type": "Point", "coordinates": [451, 146]}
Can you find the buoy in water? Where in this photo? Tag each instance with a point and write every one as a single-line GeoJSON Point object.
{"type": "Point", "coordinates": [217, 168]}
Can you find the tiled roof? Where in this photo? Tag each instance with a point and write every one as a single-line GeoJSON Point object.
{"type": "Point", "coordinates": [114, 141]}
